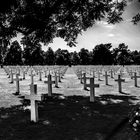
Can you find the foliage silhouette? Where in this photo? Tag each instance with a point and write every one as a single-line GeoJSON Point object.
{"type": "Point", "coordinates": [45, 19]}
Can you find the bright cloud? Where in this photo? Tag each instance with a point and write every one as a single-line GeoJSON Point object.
{"type": "Point", "coordinates": [110, 26]}
{"type": "Point", "coordinates": [111, 35]}
{"type": "Point", "coordinates": [101, 22]}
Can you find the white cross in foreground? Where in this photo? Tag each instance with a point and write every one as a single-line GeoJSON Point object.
{"type": "Point", "coordinates": [119, 80]}
{"type": "Point", "coordinates": [33, 97]}
{"type": "Point", "coordinates": [92, 87]}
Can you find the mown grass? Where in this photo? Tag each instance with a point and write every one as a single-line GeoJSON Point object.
{"type": "Point", "coordinates": [70, 118]}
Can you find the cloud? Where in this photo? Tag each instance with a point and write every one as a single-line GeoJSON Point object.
{"type": "Point", "coordinates": [105, 24]}
{"type": "Point", "coordinates": [111, 35]}
{"type": "Point", "coordinates": [101, 22]}
{"type": "Point", "coordinates": [110, 26]}
{"type": "Point", "coordinates": [129, 2]}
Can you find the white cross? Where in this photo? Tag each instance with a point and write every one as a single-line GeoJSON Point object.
{"type": "Point", "coordinates": [92, 87]}
{"type": "Point", "coordinates": [111, 73]}
{"type": "Point", "coordinates": [40, 75]}
{"type": "Point", "coordinates": [99, 73]}
{"type": "Point", "coordinates": [32, 77]}
{"type": "Point", "coordinates": [23, 74]}
{"type": "Point", "coordinates": [135, 79]}
{"type": "Point", "coordinates": [17, 84]}
{"type": "Point", "coordinates": [85, 79]}
{"type": "Point", "coordinates": [33, 97]}
{"type": "Point", "coordinates": [56, 79]}
{"type": "Point", "coordinates": [49, 82]}
{"type": "Point", "coordinates": [106, 77]}
{"type": "Point", "coordinates": [11, 76]}
{"type": "Point", "coordinates": [119, 80]}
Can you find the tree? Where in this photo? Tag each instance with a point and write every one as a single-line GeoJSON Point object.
{"type": "Point", "coordinates": [75, 58]}
{"type": "Point", "coordinates": [59, 57]}
{"type": "Point", "coordinates": [3, 49]}
{"type": "Point", "coordinates": [44, 20]}
{"type": "Point", "coordinates": [37, 56]}
{"type": "Point", "coordinates": [32, 53]}
{"type": "Point", "coordinates": [62, 57]}
{"type": "Point", "coordinates": [84, 57]}
{"type": "Point", "coordinates": [102, 54]}
{"type": "Point", "coordinates": [49, 57]}
{"type": "Point", "coordinates": [136, 18]}
{"type": "Point", "coordinates": [115, 54]}
{"type": "Point", "coordinates": [122, 55]}
{"type": "Point", "coordinates": [135, 57]}
{"type": "Point", "coordinates": [14, 55]}
{"type": "Point", "coordinates": [66, 56]}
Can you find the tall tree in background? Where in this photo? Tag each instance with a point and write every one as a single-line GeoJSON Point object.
{"type": "Point", "coordinates": [66, 56]}
{"type": "Point", "coordinates": [62, 57]}
{"type": "Point", "coordinates": [135, 57]}
{"type": "Point", "coordinates": [31, 47]}
{"type": "Point", "coordinates": [49, 57]}
{"type": "Point", "coordinates": [14, 54]}
{"type": "Point", "coordinates": [102, 54]}
{"type": "Point", "coordinates": [59, 57]}
{"type": "Point", "coordinates": [122, 54]}
{"type": "Point", "coordinates": [75, 58]}
{"type": "Point", "coordinates": [37, 56]}
{"type": "Point", "coordinates": [84, 57]}
{"type": "Point", "coordinates": [3, 49]}
{"type": "Point", "coordinates": [115, 54]}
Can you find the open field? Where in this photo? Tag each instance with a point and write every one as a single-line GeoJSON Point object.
{"type": "Point", "coordinates": [68, 114]}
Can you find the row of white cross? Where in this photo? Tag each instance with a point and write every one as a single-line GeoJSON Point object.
{"type": "Point", "coordinates": [58, 73]}
{"type": "Point", "coordinates": [34, 97]}
{"type": "Point", "coordinates": [81, 73]}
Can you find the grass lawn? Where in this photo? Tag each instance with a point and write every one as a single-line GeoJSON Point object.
{"type": "Point", "coordinates": [68, 114]}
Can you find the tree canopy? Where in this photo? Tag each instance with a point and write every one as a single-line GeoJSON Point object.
{"type": "Point", "coordinates": [102, 54]}
{"type": "Point", "coordinates": [44, 20]}
{"type": "Point", "coordinates": [14, 54]}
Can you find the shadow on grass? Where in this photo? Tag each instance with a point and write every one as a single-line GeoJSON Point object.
{"type": "Point", "coordinates": [137, 86]}
{"type": "Point", "coordinates": [100, 80]}
{"type": "Point", "coordinates": [124, 93]}
{"type": "Point", "coordinates": [70, 118]}
{"type": "Point", "coordinates": [86, 89]}
{"type": "Point", "coordinates": [109, 85]}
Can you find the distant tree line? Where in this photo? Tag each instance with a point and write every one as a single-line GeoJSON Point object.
{"type": "Point", "coordinates": [102, 54]}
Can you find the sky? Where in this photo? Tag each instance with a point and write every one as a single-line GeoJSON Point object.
{"type": "Point", "coordinates": [102, 32]}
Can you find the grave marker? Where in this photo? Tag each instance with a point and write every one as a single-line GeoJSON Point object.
{"type": "Point", "coordinates": [40, 75]}
{"type": "Point", "coordinates": [11, 77]}
{"type": "Point", "coordinates": [17, 84]}
{"type": "Point", "coordinates": [106, 77]}
{"type": "Point", "coordinates": [111, 73]}
{"type": "Point", "coordinates": [84, 80]}
{"type": "Point", "coordinates": [32, 77]}
{"type": "Point", "coordinates": [49, 82]}
{"type": "Point", "coordinates": [131, 74]}
{"type": "Point", "coordinates": [45, 73]}
{"type": "Point", "coordinates": [33, 97]}
{"type": "Point", "coordinates": [23, 75]}
{"type": "Point", "coordinates": [56, 80]}
{"type": "Point", "coordinates": [119, 80]}
{"type": "Point", "coordinates": [93, 73]}
{"type": "Point", "coordinates": [99, 73]}
{"type": "Point", "coordinates": [59, 76]}
{"type": "Point", "coordinates": [135, 79]}
{"type": "Point", "coordinates": [92, 87]}
{"type": "Point", "coordinates": [80, 76]}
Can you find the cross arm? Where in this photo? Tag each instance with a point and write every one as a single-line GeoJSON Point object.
{"type": "Point", "coordinates": [34, 97]}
